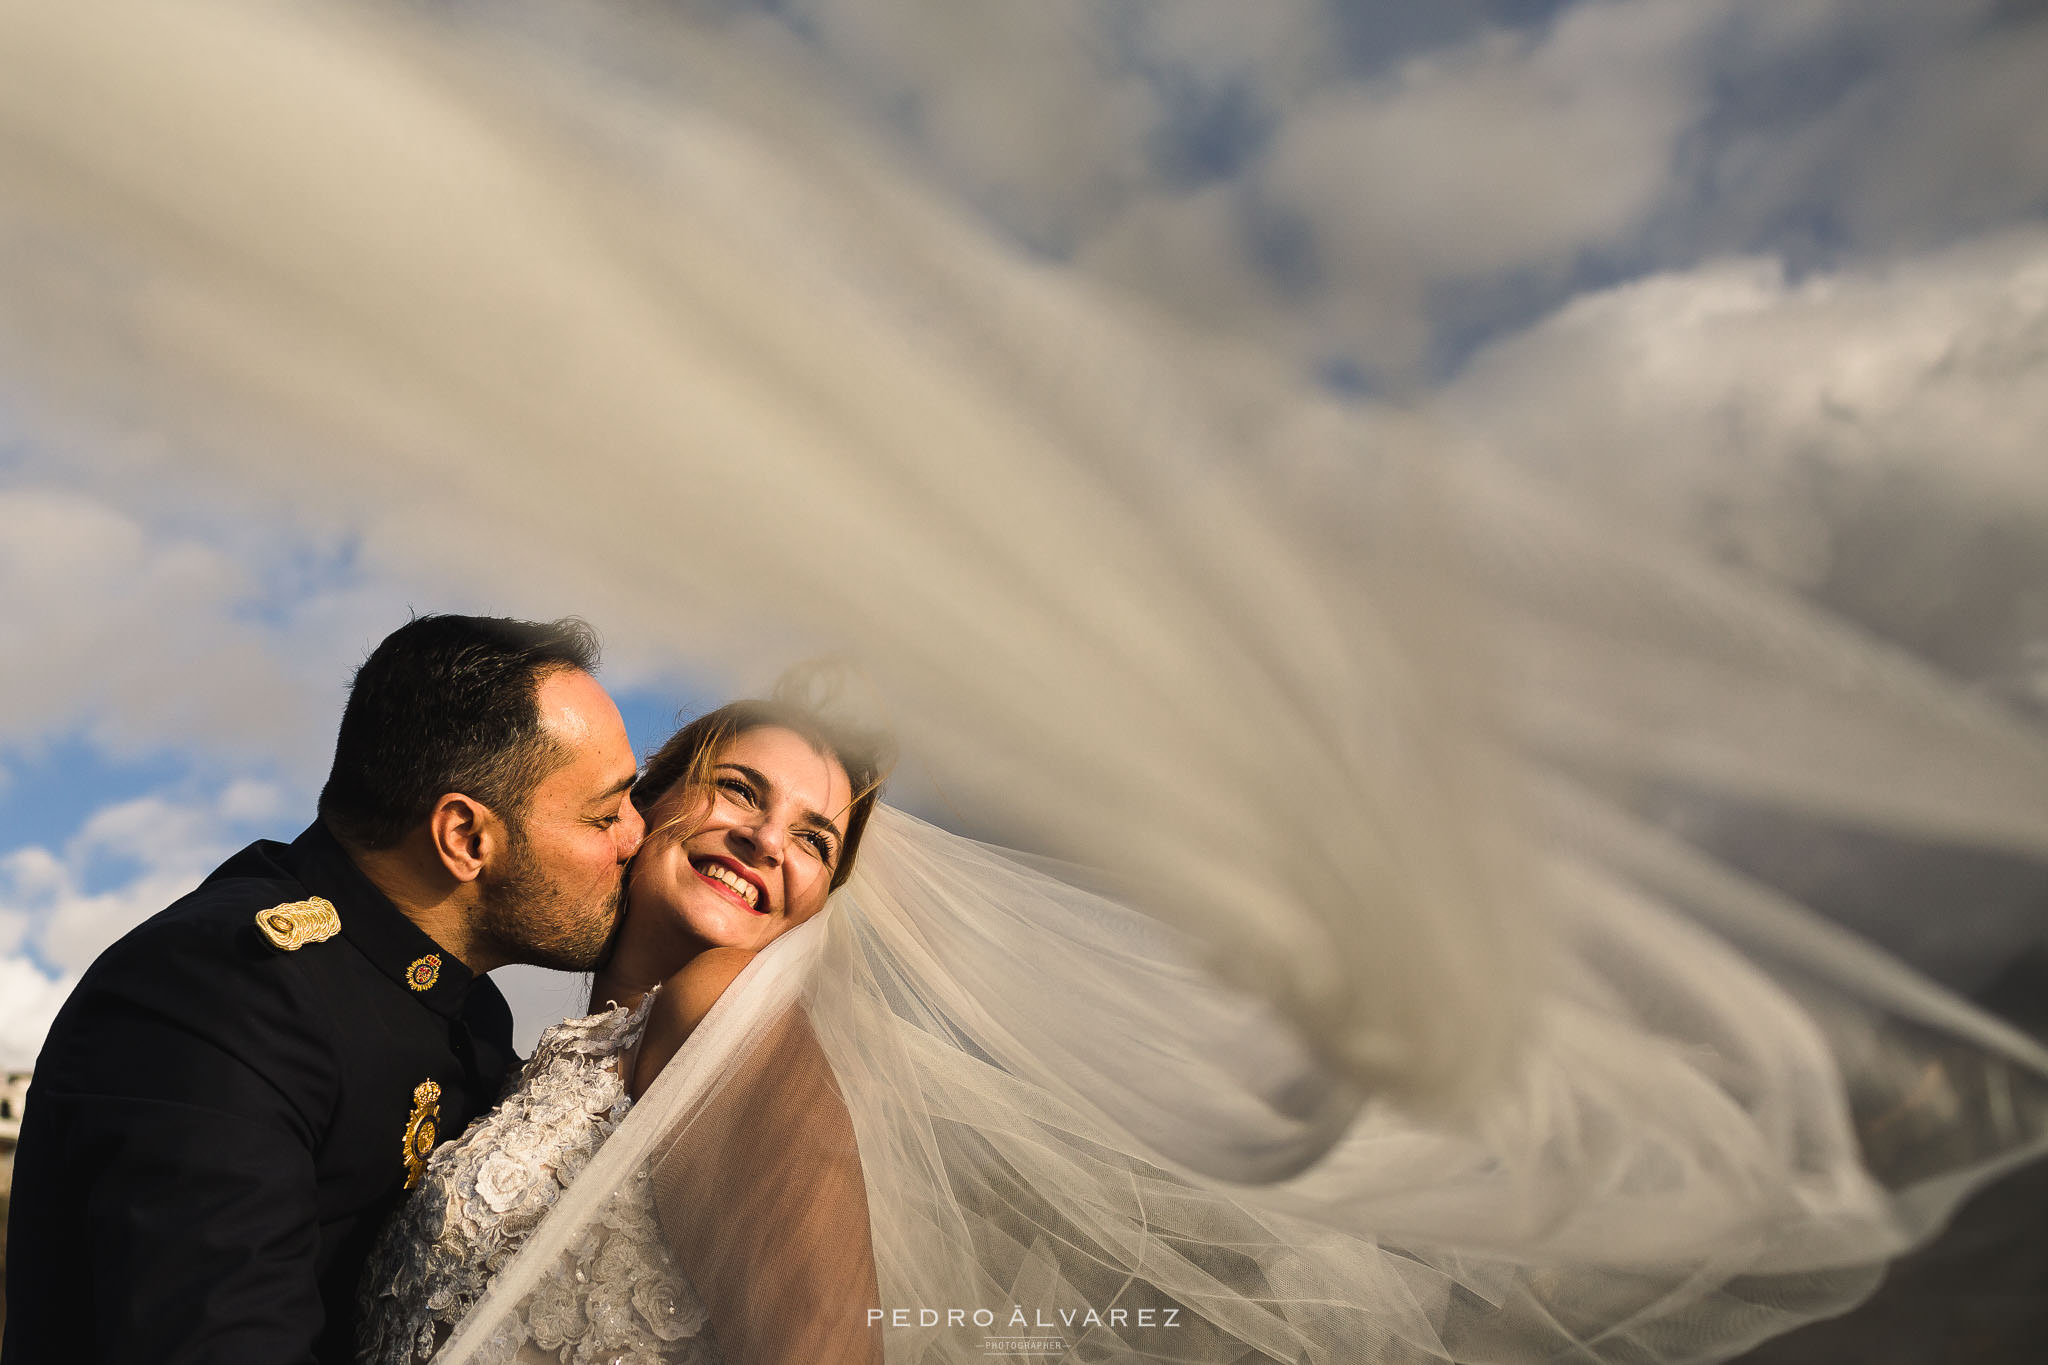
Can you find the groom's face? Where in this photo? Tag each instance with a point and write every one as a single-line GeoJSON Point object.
{"type": "Point", "coordinates": [552, 898]}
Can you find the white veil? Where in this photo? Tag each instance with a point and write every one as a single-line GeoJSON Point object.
{"type": "Point", "coordinates": [1393, 1024]}
{"type": "Point", "coordinates": [1726, 1120]}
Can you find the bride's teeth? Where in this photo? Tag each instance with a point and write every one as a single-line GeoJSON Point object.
{"type": "Point", "coordinates": [738, 883]}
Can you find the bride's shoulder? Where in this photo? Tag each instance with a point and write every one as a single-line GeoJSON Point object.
{"type": "Point", "coordinates": [681, 1004]}
{"type": "Point", "coordinates": [691, 992]}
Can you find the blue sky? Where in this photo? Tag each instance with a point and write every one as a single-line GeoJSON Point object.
{"type": "Point", "coordinates": [1796, 244]}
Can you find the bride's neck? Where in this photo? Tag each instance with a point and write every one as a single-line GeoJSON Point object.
{"type": "Point", "coordinates": [646, 955]}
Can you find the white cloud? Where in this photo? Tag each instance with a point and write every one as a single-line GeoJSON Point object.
{"type": "Point", "coordinates": [1509, 151]}
{"type": "Point", "coordinates": [145, 639]}
{"type": "Point", "coordinates": [1871, 435]}
{"type": "Point", "coordinates": [29, 1001]}
{"type": "Point", "coordinates": [1930, 124]}
{"type": "Point", "coordinates": [1732, 369]}
{"type": "Point", "coordinates": [1504, 153]}
{"type": "Point", "coordinates": [60, 907]}
{"type": "Point", "coordinates": [1507, 158]}
{"type": "Point", "coordinates": [127, 861]}
{"type": "Point", "coordinates": [1957, 141]}
{"type": "Point", "coordinates": [1089, 131]}
{"type": "Point", "coordinates": [171, 611]}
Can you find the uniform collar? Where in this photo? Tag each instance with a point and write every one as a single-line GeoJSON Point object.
{"type": "Point", "coordinates": [397, 947]}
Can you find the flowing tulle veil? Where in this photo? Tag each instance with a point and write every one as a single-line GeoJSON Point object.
{"type": "Point", "coordinates": [1388, 1022]}
{"type": "Point", "coordinates": [1721, 1129]}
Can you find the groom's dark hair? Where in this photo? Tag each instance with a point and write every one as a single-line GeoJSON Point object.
{"type": "Point", "coordinates": [447, 704]}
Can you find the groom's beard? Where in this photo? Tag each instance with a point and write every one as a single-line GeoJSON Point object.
{"type": "Point", "coordinates": [530, 919]}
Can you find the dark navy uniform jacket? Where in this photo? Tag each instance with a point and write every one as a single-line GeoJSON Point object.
{"type": "Point", "coordinates": [217, 1127]}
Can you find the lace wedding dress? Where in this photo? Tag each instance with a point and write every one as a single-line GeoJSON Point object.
{"type": "Point", "coordinates": [621, 1298]}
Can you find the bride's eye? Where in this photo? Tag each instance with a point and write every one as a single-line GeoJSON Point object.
{"type": "Point", "coordinates": [738, 788]}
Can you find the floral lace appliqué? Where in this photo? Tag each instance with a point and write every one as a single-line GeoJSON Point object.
{"type": "Point", "coordinates": [620, 1296]}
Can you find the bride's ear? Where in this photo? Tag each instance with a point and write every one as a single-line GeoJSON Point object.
{"type": "Point", "coordinates": [466, 835]}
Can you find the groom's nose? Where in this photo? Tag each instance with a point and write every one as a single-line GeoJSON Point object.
{"type": "Point", "coordinates": [632, 828]}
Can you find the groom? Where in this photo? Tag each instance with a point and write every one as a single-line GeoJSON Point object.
{"type": "Point", "coordinates": [242, 1088]}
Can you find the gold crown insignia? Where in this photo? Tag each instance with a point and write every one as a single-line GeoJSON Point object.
{"type": "Point", "coordinates": [421, 1130]}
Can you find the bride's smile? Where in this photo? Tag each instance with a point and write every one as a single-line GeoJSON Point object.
{"type": "Point", "coordinates": [750, 853]}
{"type": "Point", "coordinates": [733, 880]}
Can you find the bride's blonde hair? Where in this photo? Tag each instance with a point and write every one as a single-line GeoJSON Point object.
{"type": "Point", "coordinates": [808, 700]}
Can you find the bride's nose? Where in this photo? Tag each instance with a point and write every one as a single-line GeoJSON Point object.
{"type": "Point", "coordinates": [765, 837]}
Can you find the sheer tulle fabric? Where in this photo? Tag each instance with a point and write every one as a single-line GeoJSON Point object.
{"type": "Point", "coordinates": [1697, 1147]}
{"type": "Point", "coordinates": [1400, 1031]}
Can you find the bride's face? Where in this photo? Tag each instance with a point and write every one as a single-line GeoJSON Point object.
{"type": "Point", "coordinates": [758, 857]}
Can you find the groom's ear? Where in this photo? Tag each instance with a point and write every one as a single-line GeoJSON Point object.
{"type": "Point", "coordinates": [466, 835]}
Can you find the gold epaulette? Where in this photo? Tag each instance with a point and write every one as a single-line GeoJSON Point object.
{"type": "Point", "coordinates": [293, 925]}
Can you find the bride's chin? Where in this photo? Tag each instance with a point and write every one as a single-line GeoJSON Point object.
{"type": "Point", "coordinates": [706, 918]}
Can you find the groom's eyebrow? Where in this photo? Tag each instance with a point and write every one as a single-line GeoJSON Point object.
{"type": "Point", "coordinates": [613, 790]}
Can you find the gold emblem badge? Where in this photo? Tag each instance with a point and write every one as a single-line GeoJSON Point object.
{"type": "Point", "coordinates": [420, 1130]}
{"type": "Point", "coordinates": [424, 972]}
{"type": "Point", "coordinates": [292, 926]}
